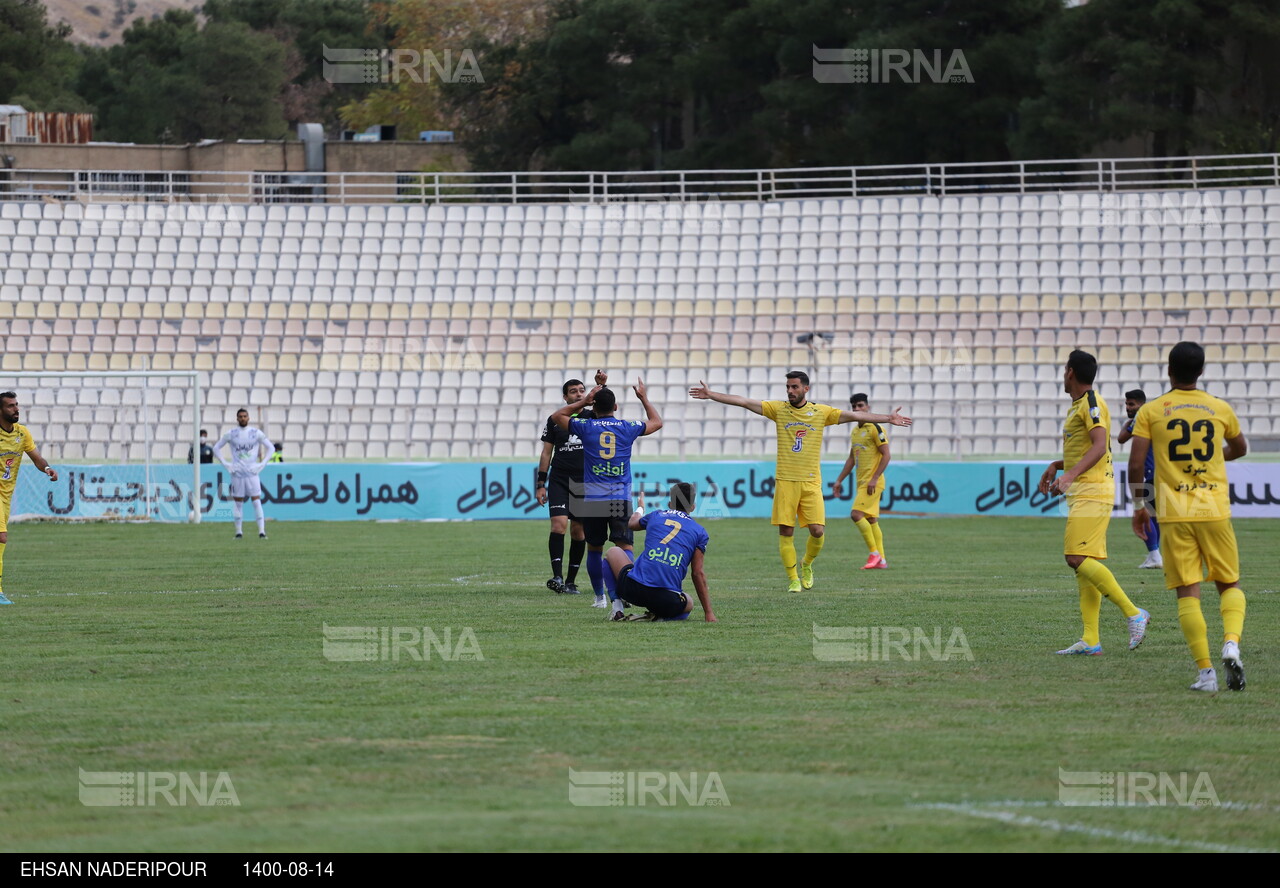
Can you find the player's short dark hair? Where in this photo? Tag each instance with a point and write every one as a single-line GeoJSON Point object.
{"type": "Point", "coordinates": [203, 432]}
{"type": "Point", "coordinates": [564, 389]}
{"type": "Point", "coordinates": [682, 496]}
{"type": "Point", "coordinates": [858, 396]}
{"type": "Point", "coordinates": [606, 402]}
{"type": "Point", "coordinates": [800, 375]}
{"type": "Point", "coordinates": [1136, 395]}
{"type": "Point", "coordinates": [1085, 366]}
{"type": "Point", "coordinates": [1186, 362]}
{"type": "Point", "coordinates": [242, 410]}
{"type": "Point", "coordinates": [8, 396]}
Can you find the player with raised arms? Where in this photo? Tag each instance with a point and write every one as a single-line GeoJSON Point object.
{"type": "Point", "coordinates": [606, 448]}
{"type": "Point", "coordinates": [673, 549]}
{"type": "Point", "coordinates": [798, 490]}
{"type": "Point", "coordinates": [246, 462]}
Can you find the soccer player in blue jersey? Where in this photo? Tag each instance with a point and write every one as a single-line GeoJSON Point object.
{"type": "Point", "coordinates": [1133, 401]}
{"type": "Point", "coordinates": [674, 546]}
{"type": "Point", "coordinates": [606, 449]}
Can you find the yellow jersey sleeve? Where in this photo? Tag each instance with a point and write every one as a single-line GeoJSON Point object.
{"type": "Point", "coordinates": [770, 409]}
{"type": "Point", "coordinates": [30, 444]}
{"type": "Point", "coordinates": [833, 414]}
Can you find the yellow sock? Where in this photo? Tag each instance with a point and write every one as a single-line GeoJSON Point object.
{"type": "Point", "coordinates": [788, 551]}
{"type": "Point", "coordinates": [1193, 629]}
{"type": "Point", "coordinates": [1232, 604]}
{"type": "Point", "coordinates": [879, 538]}
{"type": "Point", "coordinates": [1105, 582]}
{"type": "Point", "coordinates": [1090, 608]}
{"type": "Point", "coordinates": [2, 545]}
{"type": "Point", "coordinates": [813, 547]}
{"type": "Point", "coordinates": [868, 535]}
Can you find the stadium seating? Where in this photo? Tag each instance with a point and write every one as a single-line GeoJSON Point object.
{"type": "Point", "coordinates": [445, 331]}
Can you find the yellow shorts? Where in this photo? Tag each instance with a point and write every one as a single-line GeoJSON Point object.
{"type": "Point", "coordinates": [1188, 547]}
{"type": "Point", "coordinates": [1086, 534]}
{"type": "Point", "coordinates": [869, 503]}
{"type": "Point", "coordinates": [798, 498]}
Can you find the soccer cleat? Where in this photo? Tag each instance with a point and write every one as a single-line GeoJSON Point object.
{"type": "Point", "coordinates": [806, 576]}
{"type": "Point", "coordinates": [882, 564]}
{"type": "Point", "coordinates": [556, 584]}
{"type": "Point", "coordinates": [262, 536]}
{"type": "Point", "coordinates": [571, 589]}
{"type": "Point", "coordinates": [1091, 650]}
{"type": "Point", "coordinates": [4, 600]}
{"type": "Point", "coordinates": [601, 601]}
{"type": "Point", "coordinates": [1206, 681]}
{"type": "Point", "coordinates": [1138, 628]}
{"type": "Point", "coordinates": [617, 617]}
{"type": "Point", "coordinates": [1153, 561]}
{"type": "Point", "coordinates": [239, 536]}
{"type": "Point", "coordinates": [794, 586]}
{"type": "Point", "coordinates": [645, 617]}
{"type": "Point", "coordinates": [1232, 667]}
{"type": "Point", "coordinates": [873, 560]}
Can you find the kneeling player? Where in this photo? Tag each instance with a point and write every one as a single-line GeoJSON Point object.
{"type": "Point", "coordinates": [675, 547]}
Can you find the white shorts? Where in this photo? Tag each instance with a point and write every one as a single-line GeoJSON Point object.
{"type": "Point", "coordinates": [245, 486]}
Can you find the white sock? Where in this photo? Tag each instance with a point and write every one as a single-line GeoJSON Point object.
{"type": "Point", "coordinates": [262, 519]}
{"type": "Point", "coordinates": [237, 512]}
{"type": "Point", "coordinates": [617, 605]}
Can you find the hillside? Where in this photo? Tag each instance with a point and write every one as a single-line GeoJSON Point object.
{"type": "Point", "coordinates": [101, 22]}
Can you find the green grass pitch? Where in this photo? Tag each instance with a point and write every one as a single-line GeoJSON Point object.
{"type": "Point", "coordinates": [176, 649]}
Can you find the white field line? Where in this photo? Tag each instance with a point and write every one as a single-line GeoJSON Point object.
{"type": "Point", "coordinates": [1132, 837]}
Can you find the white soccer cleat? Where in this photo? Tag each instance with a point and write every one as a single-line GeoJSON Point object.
{"type": "Point", "coordinates": [1153, 561]}
{"type": "Point", "coordinates": [1138, 628]}
{"type": "Point", "coordinates": [1232, 667]}
{"type": "Point", "coordinates": [1206, 681]}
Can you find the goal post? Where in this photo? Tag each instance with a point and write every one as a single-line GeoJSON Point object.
{"type": "Point", "coordinates": [120, 442]}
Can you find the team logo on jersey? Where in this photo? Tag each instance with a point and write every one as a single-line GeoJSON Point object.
{"type": "Point", "coordinates": [799, 445]}
{"type": "Point", "coordinates": [1095, 413]}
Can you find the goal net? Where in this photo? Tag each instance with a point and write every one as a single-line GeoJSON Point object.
{"type": "Point", "coordinates": [120, 442]}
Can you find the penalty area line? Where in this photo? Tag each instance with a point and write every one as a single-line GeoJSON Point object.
{"type": "Point", "coordinates": [1133, 837]}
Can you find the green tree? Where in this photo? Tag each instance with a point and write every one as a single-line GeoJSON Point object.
{"type": "Point", "coordinates": [1180, 75]}
{"type": "Point", "coordinates": [38, 65]}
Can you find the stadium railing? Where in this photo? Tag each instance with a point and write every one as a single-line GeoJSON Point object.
{"type": "Point", "coordinates": [1008, 177]}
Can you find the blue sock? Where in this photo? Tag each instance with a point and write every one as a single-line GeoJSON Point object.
{"type": "Point", "coordinates": [1153, 535]}
{"type": "Point", "coordinates": [683, 616]}
{"type": "Point", "coordinates": [595, 570]}
{"type": "Point", "coordinates": [611, 583]}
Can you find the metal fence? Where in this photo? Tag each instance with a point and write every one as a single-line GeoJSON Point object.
{"type": "Point", "coordinates": [1032, 176]}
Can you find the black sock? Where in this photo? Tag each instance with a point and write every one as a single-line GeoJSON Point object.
{"type": "Point", "coordinates": [555, 545]}
{"type": "Point", "coordinates": [576, 550]}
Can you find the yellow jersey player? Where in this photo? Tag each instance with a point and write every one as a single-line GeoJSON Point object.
{"type": "Point", "coordinates": [15, 440]}
{"type": "Point", "coordinates": [797, 492]}
{"type": "Point", "coordinates": [1088, 481]}
{"type": "Point", "coordinates": [1193, 436]}
{"type": "Point", "coordinates": [869, 450]}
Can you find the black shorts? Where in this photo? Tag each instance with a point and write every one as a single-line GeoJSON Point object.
{"type": "Point", "coordinates": [659, 602]}
{"type": "Point", "coordinates": [606, 521]}
{"type": "Point", "coordinates": [564, 497]}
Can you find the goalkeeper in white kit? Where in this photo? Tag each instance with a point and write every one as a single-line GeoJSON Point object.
{"type": "Point", "coordinates": [246, 463]}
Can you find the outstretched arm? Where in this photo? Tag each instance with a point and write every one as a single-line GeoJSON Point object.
{"type": "Point", "coordinates": [894, 418]}
{"type": "Point", "coordinates": [653, 421]}
{"type": "Point", "coordinates": [702, 393]}
{"type": "Point", "coordinates": [562, 416]}
{"type": "Point", "coordinates": [700, 586]}
{"type": "Point", "coordinates": [42, 465]}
